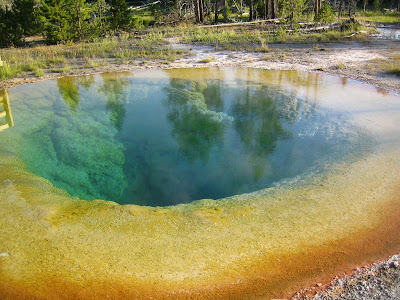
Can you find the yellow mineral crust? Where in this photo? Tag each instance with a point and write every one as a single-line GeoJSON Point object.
{"type": "Point", "coordinates": [261, 245]}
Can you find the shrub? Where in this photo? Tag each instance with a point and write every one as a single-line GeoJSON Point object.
{"type": "Point", "coordinates": [120, 16]}
{"type": "Point", "coordinates": [25, 14]}
{"type": "Point", "coordinates": [325, 14]}
{"type": "Point", "coordinates": [11, 32]}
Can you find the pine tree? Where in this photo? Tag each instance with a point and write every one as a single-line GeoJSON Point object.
{"type": "Point", "coordinates": [100, 9]}
{"type": "Point", "coordinates": [55, 21]}
{"type": "Point", "coordinates": [78, 14]}
{"type": "Point", "coordinates": [11, 32]}
{"type": "Point", "coordinates": [292, 10]}
{"type": "Point", "coordinates": [251, 10]}
{"type": "Point", "coordinates": [325, 14]}
{"type": "Point", "coordinates": [25, 14]}
{"type": "Point", "coordinates": [120, 16]}
{"type": "Point", "coordinates": [65, 20]}
{"type": "Point", "coordinates": [377, 4]}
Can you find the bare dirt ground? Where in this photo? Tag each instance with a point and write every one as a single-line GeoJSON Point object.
{"type": "Point", "coordinates": [362, 61]}
{"type": "Point", "coordinates": [365, 61]}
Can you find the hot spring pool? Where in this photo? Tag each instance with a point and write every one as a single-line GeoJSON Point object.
{"type": "Point", "coordinates": [168, 137]}
{"type": "Point", "coordinates": [303, 169]}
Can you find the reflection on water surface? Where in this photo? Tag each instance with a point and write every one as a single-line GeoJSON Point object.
{"type": "Point", "coordinates": [167, 137]}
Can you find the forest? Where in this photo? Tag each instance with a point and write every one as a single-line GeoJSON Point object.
{"type": "Point", "coordinates": [69, 21]}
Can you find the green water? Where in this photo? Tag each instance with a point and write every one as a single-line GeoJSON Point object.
{"type": "Point", "coordinates": [167, 137]}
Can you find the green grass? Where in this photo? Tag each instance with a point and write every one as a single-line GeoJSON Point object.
{"type": "Point", "coordinates": [258, 40]}
{"type": "Point", "coordinates": [54, 61]}
{"type": "Point", "coordinates": [341, 66]}
{"type": "Point", "coordinates": [39, 73]}
{"type": "Point", "coordinates": [228, 39]}
{"type": "Point", "coordinates": [268, 58]}
{"type": "Point", "coordinates": [9, 71]}
{"type": "Point", "coordinates": [389, 65]}
{"type": "Point", "coordinates": [207, 60]}
{"type": "Point", "coordinates": [394, 71]}
{"type": "Point", "coordinates": [62, 70]}
{"type": "Point", "coordinates": [393, 63]}
{"type": "Point", "coordinates": [150, 46]}
{"type": "Point", "coordinates": [125, 48]}
{"type": "Point", "coordinates": [378, 16]}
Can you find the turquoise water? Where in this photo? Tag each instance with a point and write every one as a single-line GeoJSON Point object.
{"type": "Point", "coordinates": [167, 137]}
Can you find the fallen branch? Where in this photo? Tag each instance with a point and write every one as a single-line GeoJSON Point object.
{"type": "Point", "coordinates": [242, 23]}
{"type": "Point", "coordinates": [144, 6]}
{"type": "Point", "coordinates": [355, 33]}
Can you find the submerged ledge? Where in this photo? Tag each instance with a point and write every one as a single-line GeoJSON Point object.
{"type": "Point", "coordinates": [267, 244]}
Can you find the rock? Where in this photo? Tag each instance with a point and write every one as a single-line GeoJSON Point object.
{"type": "Point", "coordinates": [385, 266]}
{"type": "Point", "coordinates": [4, 255]}
{"type": "Point", "coordinates": [380, 281]}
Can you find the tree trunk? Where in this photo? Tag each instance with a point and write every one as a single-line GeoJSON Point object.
{"type": "Point", "coordinates": [340, 8]}
{"type": "Point", "coordinates": [265, 10]}
{"type": "Point", "coordinates": [292, 7]}
{"type": "Point", "coordinates": [317, 6]}
{"type": "Point", "coordinates": [79, 23]}
{"type": "Point", "coordinates": [100, 12]}
{"type": "Point", "coordinates": [274, 13]}
{"type": "Point", "coordinates": [201, 10]}
{"type": "Point", "coordinates": [197, 10]}
{"type": "Point", "coordinates": [352, 5]}
{"type": "Point", "coordinates": [216, 12]}
{"type": "Point", "coordinates": [251, 10]}
{"type": "Point", "coordinates": [225, 12]}
{"type": "Point", "coordinates": [349, 13]}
